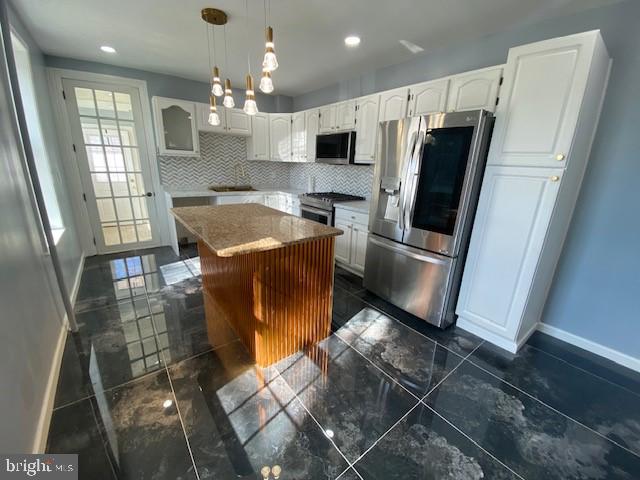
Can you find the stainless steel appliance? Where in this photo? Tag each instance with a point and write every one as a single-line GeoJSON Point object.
{"type": "Point", "coordinates": [319, 206]}
{"type": "Point", "coordinates": [425, 192]}
{"type": "Point", "coordinates": [336, 148]}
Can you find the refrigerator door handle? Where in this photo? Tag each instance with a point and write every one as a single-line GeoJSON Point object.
{"type": "Point", "coordinates": [412, 179]}
{"type": "Point", "coordinates": [409, 252]}
{"type": "Point", "coordinates": [405, 179]}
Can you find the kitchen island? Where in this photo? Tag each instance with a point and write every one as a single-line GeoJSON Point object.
{"type": "Point", "coordinates": [266, 273]}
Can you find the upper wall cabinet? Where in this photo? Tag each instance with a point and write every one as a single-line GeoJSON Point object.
{"type": "Point", "coordinates": [312, 121]}
{"type": "Point", "coordinates": [299, 137]}
{"type": "Point", "coordinates": [338, 116]}
{"type": "Point", "coordinates": [280, 133]}
{"type": "Point", "coordinates": [327, 118]}
{"type": "Point", "coordinates": [428, 97]}
{"type": "Point", "coordinates": [393, 104]}
{"type": "Point", "coordinates": [258, 145]}
{"type": "Point", "coordinates": [366, 128]}
{"type": "Point", "coordinates": [233, 121]}
{"type": "Point", "coordinates": [176, 128]}
{"type": "Point", "coordinates": [474, 90]}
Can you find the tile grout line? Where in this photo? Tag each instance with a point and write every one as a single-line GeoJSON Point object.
{"type": "Point", "coordinates": [104, 440]}
{"type": "Point", "coordinates": [553, 409]}
{"type": "Point", "coordinates": [473, 441]}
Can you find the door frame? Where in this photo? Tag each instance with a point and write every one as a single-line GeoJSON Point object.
{"type": "Point", "coordinates": [55, 77]}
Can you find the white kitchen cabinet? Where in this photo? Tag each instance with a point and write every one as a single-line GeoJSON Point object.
{"type": "Point", "coordinates": [299, 137]}
{"type": "Point", "coordinates": [176, 126]}
{"type": "Point", "coordinates": [428, 97]}
{"type": "Point", "coordinates": [346, 115]}
{"type": "Point", "coordinates": [351, 247]}
{"type": "Point", "coordinates": [474, 90]}
{"type": "Point", "coordinates": [233, 121]}
{"type": "Point", "coordinates": [551, 99]}
{"type": "Point", "coordinates": [327, 118]}
{"type": "Point", "coordinates": [280, 133]}
{"type": "Point", "coordinates": [250, 198]}
{"type": "Point", "coordinates": [393, 104]}
{"type": "Point", "coordinates": [258, 145]}
{"type": "Point", "coordinates": [366, 128]}
{"type": "Point", "coordinates": [312, 121]}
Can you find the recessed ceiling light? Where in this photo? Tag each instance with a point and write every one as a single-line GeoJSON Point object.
{"type": "Point", "coordinates": [352, 41]}
{"type": "Point", "coordinates": [107, 49]}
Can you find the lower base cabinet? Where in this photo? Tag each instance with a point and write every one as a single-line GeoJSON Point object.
{"type": "Point", "coordinates": [351, 247]}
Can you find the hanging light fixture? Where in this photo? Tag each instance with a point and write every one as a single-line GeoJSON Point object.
{"type": "Point", "coordinates": [270, 62]}
{"type": "Point", "coordinates": [228, 92]}
{"type": "Point", "coordinates": [250, 106]}
{"type": "Point", "coordinates": [213, 16]}
{"type": "Point", "coordinates": [266, 83]}
{"type": "Point", "coordinates": [216, 88]}
{"type": "Point", "coordinates": [214, 118]}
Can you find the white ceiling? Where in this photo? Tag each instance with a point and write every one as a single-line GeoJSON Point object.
{"type": "Point", "coordinates": [168, 36]}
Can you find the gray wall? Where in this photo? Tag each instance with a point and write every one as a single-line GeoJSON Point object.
{"type": "Point", "coordinates": [162, 85]}
{"type": "Point", "coordinates": [69, 248]}
{"type": "Point", "coordinates": [596, 292]}
{"type": "Point", "coordinates": [31, 309]}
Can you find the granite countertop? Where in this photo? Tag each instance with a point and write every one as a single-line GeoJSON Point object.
{"type": "Point", "coordinates": [361, 206]}
{"type": "Point", "coordinates": [237, 229]}
{"type": "Point", "coordinates": [203, 191]}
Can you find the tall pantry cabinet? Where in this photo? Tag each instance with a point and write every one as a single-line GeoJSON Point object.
{"type": "Point", "coordinates": [545, 124]}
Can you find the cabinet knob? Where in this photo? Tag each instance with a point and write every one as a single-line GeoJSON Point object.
{"type": "Point", "coordinates": [554, 178]}
{"type": "Point", "coordinates": [560, 157]}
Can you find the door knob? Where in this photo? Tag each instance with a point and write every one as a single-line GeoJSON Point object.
{"type": "Point", "coordinates": [560, 157]}
{"type": "Point", "coordinates": [149, 194]}
{"type": "Point", "coordinates": [554, 178]}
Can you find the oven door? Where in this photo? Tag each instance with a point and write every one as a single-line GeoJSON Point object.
{"type": "Point", "coordinates": [317, 215]}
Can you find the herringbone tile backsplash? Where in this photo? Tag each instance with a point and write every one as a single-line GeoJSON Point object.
{"type": "Point", "coordinates": [220, 153]}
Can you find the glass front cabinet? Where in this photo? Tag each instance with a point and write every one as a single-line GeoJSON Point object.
{"type": "Point", "coordinates": [176, 127]}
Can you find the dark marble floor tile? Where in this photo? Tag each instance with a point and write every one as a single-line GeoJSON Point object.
{"type": "Point", "coordinates": [345, 306]}
{"type": "Point", "coordinates": [189, 251]}
{"type": "Point", "coordinates": [529, 437]}
{"type": "Point", "coordinates": [183, 327]}
{"type": "Point", "coordinates": [414, 361]}
{"type": "Point", "coordinates": [607, 408]}
{"type": "Point", "coordinates": [588, 361]}
{"type": "Point", "coordinates": [453, 338]}
{"type": "Point", "coordinates": [74, 429]}
{"type": "Point", "coordinates": [238, 421]}
{"type": "Point", "coordinates": [350, 398]}
{"type": "Point", "coordinates": [74, 381]}
{"type": "Point", "coordinates": [350, 474]}
{"type": "Point", "coordinates": [424, 446]}
{"type": "Point", "coordinates": [347, 280]}
{"type": "Point", "coordinates": [143, 430]}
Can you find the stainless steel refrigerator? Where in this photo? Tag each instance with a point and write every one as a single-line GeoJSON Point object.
{"type": "Point", "coordinates": [425, 191]}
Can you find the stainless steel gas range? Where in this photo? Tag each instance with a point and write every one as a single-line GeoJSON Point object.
{"type": "Point", "coordinates": [319, 206]}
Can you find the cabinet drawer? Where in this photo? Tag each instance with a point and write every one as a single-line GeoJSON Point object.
{"type": "Point", "coordinates": [351, 216]}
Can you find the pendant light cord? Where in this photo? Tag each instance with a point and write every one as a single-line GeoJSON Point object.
{"type": "Point", "coordinates": [209, 52]}
{"type": "Point", "coordinates": [226, 57]}
{"type": "Point", "coordinates": [246, 4]}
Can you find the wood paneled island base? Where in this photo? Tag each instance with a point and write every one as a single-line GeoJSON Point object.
{"type": "Point", "coordinates": [278, 301]}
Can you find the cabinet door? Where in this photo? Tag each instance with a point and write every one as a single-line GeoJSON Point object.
{"type": "Point", "coordinates": [258, 143]}
{"type": "Point", "coordinates": [298, 137]}
{"type": "Point", "coordinates": [543, 87]}
{"type": "Point", "coordinates": [176, 127]}
{"type": "Point", "coordinates": [358, 246]}
{"type": "Point", "coordinates": [237, 122]}
{"type": "Point", "coordinates": [327, 119]}
{"type": "Point", "coordinates": [280, 129]}
{"type": "Point", "coordinates": [312, 121]}
{"type": "Point", "coordinates": [343, 242]}
{"type": "Point", "coordinates": [366, 129]}
{"type": "Point", "coordinates": [428, 97]}
{"type": "Point", "coordinates": [474, 90]}
{"type": "Point", "coordinates": [393, 104]}
{"type": "Point", "coordinates": [202, 122]}
{"type": "Point", "coordinates": [514, 210]}
{"type": "Point", "coordinates": [346, 115]}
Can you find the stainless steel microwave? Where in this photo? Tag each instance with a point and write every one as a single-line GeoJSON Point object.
{"type": "Point", "coordinates": [336, 148]}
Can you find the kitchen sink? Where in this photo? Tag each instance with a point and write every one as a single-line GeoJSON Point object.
{"type": "Point", "coordinates": [233, 188]}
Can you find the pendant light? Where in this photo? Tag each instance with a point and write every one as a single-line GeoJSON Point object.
{"type": "Point", "coordinates": [250, 106]}
{"type": "Point", "coordinates": [270, 62]}
{"type": "Point", "coordinates": [214, 118]}
{"type": "Point", "coordinates": [266, 83]}
{"type": "Point", "coordinates": [213, 16]}
{"type": "Point", "coordinates": [228, 92]}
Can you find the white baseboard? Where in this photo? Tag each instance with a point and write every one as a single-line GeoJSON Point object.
{"type": "Point", "coordinates": [42, 432]}
{"type": "Point", "coordinates": [593, 347]}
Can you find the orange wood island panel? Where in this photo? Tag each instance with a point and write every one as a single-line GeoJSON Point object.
{"type": "Point", "coordinates": [267, 274]}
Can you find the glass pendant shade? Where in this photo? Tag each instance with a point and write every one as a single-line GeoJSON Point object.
{"type": "Point", "coordinates": [214, 118]}
{"type": "Point", "coordinates": [266, 83]}
{"type": "Point", "coordinates": [216, 87]}
{"type": "Point", "coordinates": [228, 95]}
{"type": "Point", "coordinates": [270, 62]}
{"type": "Point", "coordinates": [250, 106]}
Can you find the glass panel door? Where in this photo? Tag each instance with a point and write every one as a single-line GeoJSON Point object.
{"type": "Point", "coordinates": [107, 129]}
